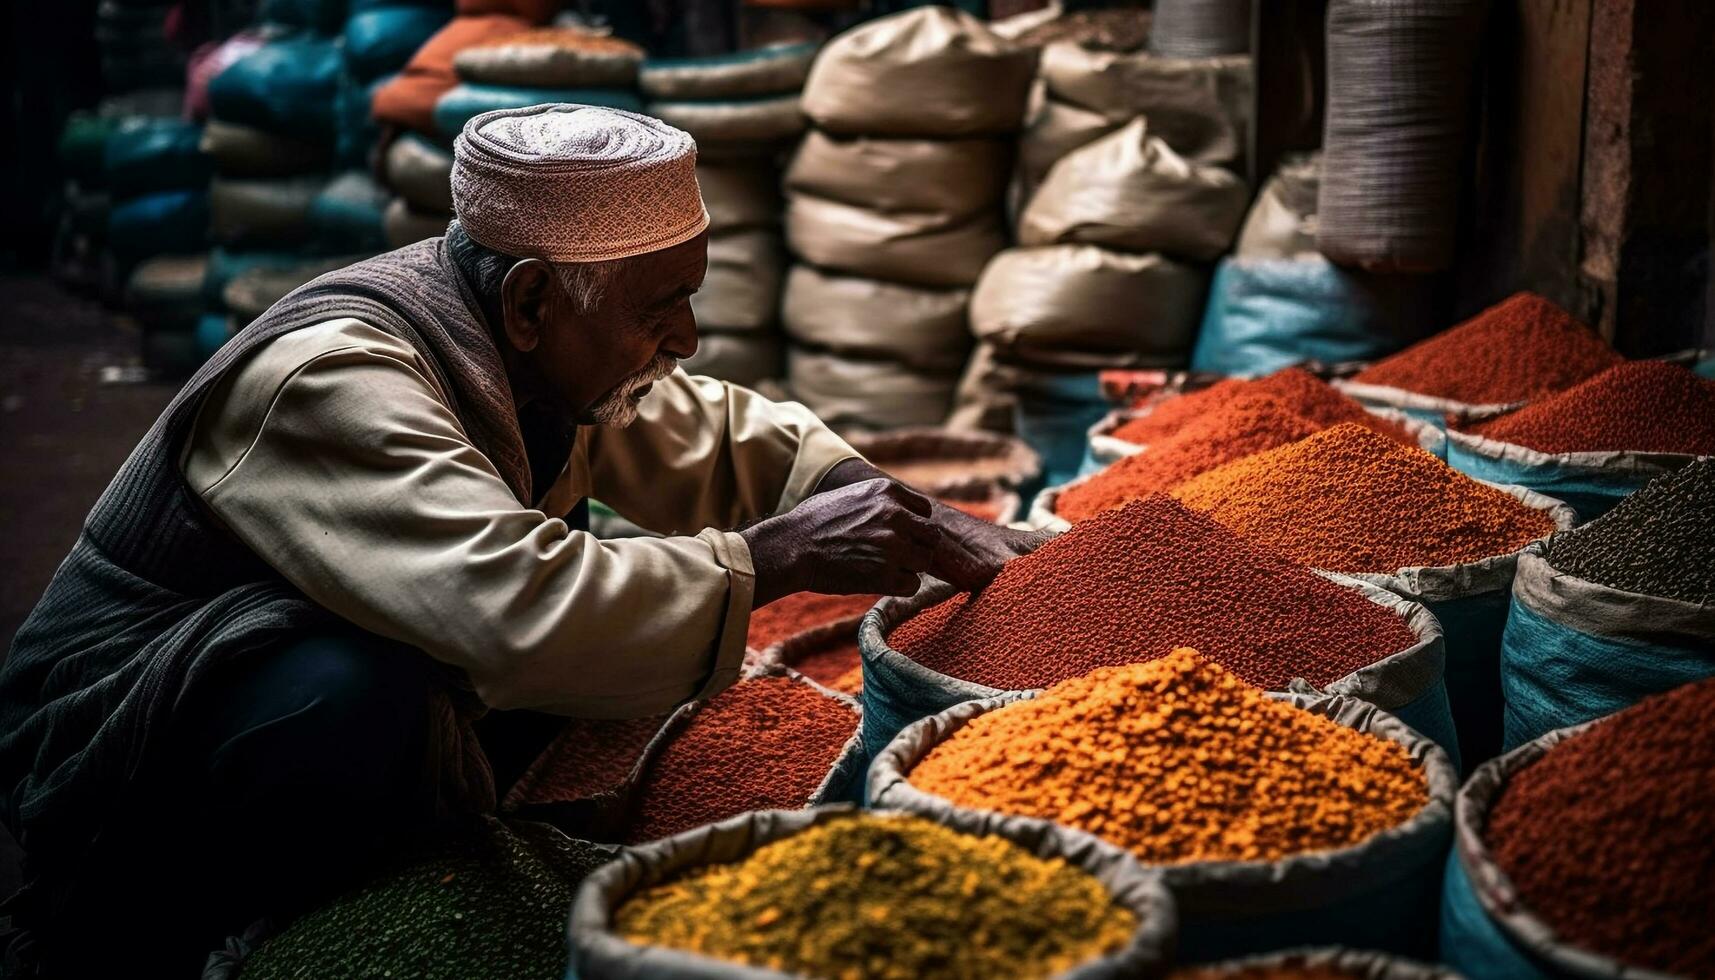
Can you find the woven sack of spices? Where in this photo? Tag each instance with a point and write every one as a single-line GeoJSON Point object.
{"type": "Point", "coordinates": [769, 70]}
{"type": "Point", "coordinates": [551, 57]}
{"type": "Point", "coordinates": [744, 358]}
{"type": "Point", "coordinates": [954, 179]}
{"type": "Point", "coordinates": [1266, 314]}
{"type": "Point", "coordinates": [1395, 128]}
{"type": "Point", "coordinates": [756, 125]}
{"type": "Point", "coordinates": [1130, 192]}
{"type": "Point", "coordinates": [741, 290]}
{"type": "Point", "coordinates": [246, 151]}
{"type": "Point", "coordinates": [740, 195]}
{"type": "Point", "coordinates": [827, 653]}
{"type": "Point", "coordinates": [934, 71]}
{"type": "Point", "coordinates": [854, 393]}
{"type": "Point", "coordinates": [917, 249]}
{"type": "Point", "coordinates": [1377, 894]}
{"type": "Point", "coordinates": [1200, 106]}
{"type": "Point", "coordinates": [1281, 223]}
{"type": "Point", "coordinates": [262, 212]}
{"type": "Point", "coordinates": [406, 225]}
{"type": "Point", "coordinates": [1614, 611]}
{"type": "Point", "coordinates": [1084, 307]}
{"type": "Point", "coordinates": [939, 461]}
{"type": "Point", "coordinates": [1316, 963]}
{"type": "Point", "coordinates": [1585, 852]}
{"type": "Point", "coordinates": [421, 172]}
{"type": "Point", "coordinates": [463, 102]}
{"type": "Point", "coordinates": [869, 318]}
{"type": "Point", "coordinates": [582, 781]}
{"type": "Point", "coordinates": [1200, 28]}
{"type": "Point", "coordinates": [599, 953]}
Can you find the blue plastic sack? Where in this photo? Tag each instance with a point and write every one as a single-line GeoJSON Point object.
{"type": "Point", "coordinates": [1591, 482]}
{"type": "Point", "coordinates": [212, 332]}
{"type": "Point", "coordinates": [289, 86]}
{"type": "Point", "coordinates": [462, 102]}
{"type": "Point", "coordinates": [1266, 314]}
{"type": "Point", "coordinates": [158, 224]}
{"type": "Point", "coordinates": [157, 155]}
{"type": "Point", "coordinates": [1471, 943]}
{"type": "Point", "coordinates": [1053, 414]}
{"type": "Point", "coordinates": [1575, 651]}
{"type": "Point", "coordinates": [380, 41]}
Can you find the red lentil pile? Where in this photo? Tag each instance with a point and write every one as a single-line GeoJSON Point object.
{"type": "Point", "coordinates": [589, 758]}
{"type": "Point", "coordinates": [801, 611]}
{"type": "Point", "coordinates": [834, 661]}
{"type": "Point", "coordinates": [764, 743]}
{"type": "Point", "coordinates": [1610, 836]}
{"type": "Point", "coordinates": [1293, 389]}
{"type": "Point", "coordinates": [1348, 500]}
{"type": "Point", "coordinates": [1131, 585]}
{"type": "Point", "coordinates": [1247, 424]}
{"type": "Point", "coordinates": [1520, 349]}
{"type": "Point", "coordinates": [1638, 406]}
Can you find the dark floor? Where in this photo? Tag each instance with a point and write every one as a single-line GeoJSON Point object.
{"type": "Point", "coordinates": [62, 434]}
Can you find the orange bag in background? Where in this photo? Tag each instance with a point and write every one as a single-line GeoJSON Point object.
{"type": "Point", "coordinates": [409, 100]}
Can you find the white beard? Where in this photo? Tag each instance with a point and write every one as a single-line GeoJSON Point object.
{"type": "Point", "coordinates": [619, 409]}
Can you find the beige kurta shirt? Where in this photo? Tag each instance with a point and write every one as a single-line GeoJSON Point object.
{"type": "Point", "coordinates": [333, 453]}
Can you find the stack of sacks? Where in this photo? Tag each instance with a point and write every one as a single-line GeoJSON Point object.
{"type": "Point", "coordinates": [380, 37]}
{"type": "Point", "coordinates": [895, 202]}
{"type": "Point", "coordinates": [742, 109]}
{"type": "Point", "coordinates": [549, 64]}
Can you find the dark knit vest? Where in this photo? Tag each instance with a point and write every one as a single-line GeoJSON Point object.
{"type": "Point", "coordinates": [156, 593]}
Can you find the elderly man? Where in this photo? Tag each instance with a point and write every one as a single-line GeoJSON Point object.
{"type": "Point", "coordinates": [361, 525]}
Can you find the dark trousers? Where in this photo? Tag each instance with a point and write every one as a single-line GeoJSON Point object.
{"type": "Point", "coordinates": [292, 775]}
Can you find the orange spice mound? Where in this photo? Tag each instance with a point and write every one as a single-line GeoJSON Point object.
{"type": "Point", "coordinates": [793, 614]}
{"type": "Point", "coordinates": [1248, 424]}
{"type": "Point", "coordinates": [1293, 389]}
{"type": "Point", "coordinates": [1520, 349]}
{"type": "Point", "coordinates": [1637, 406]}
{"type": "Point", "coordinates": [1348, 500]}
{"type": "Point", "coordinates": [1177, 760]}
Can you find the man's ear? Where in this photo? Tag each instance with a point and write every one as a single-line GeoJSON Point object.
{"type": "Point", "coordinates": [527, 302]}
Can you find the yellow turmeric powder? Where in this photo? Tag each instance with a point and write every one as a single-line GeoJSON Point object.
{"type": "Point", "coordinates": [1178, 760]}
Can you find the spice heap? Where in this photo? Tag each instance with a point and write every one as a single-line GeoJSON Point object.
{"type": "Point", "coordinates": [1134, 583]}
{"type": "Point", "coordinates": [764, 743]}
{"type": "Point", "coordinates": [1248, 424]}
{"type": "Point", "coordinates": [802, 611]}
{"type": "Point", "coordinates": [1348, 500]}
{"type": "Point", "coordinates": [1177, 760]}
{"type": "Point", "coordinates": [589, 758]}
{"type": "Point", "coordinates": [885, 896]}
{"type": "Point", "coordinates": [834, 661]}
{"type": "Point", "coordinates": [1518, 350]}
{"type": "Point", "coordinates": [1659, 541]}
{"type": "Point", "coordinates": [1610, 836]}
{"type": "Point", "coordinates": [1638, 406]}
{"type": "Point", "coordinates": [491, 903]}
{"type": "Point", "coordinates": [1293, 389]}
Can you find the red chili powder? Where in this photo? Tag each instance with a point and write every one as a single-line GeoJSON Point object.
{"type": "Point", "coordinates": [801, 611]}
{"type": "Point", "coordinates": [1610, 836]}
{"type": "Point", "coordinates": [765, 743]}
{"type": "Point", "coordinates": [1348, 500]}
{"type": "Point", "coordinates": [1294, 389]}
{"type": "Point", "coordinates": [1133, 584]}
{"type": "Point", "coordinates": [831, 662]}
{"type": "Point", "coordinates": [588, 758]}
{"type": "Point", "coordinates": [1520, 349]}
{"type": "Point", "coordinates": [1247, 424]}
{"type": "Point", "coordinates": [1638, 406]}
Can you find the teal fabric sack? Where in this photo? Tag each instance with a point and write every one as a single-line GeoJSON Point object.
{"type": "Point", "coordinates": [1053, 414]}
{"type": "Point", "coordinates": [159, 224]}
{"type": "Point", "coordinates": [1592, 483]}
{"type": "Point", "coordinates": [289, 86]}
{"type": "Point", "coordinates": [1575, 651]}
{"type": "Point", "coordinates": [1266, 314]}
{"type": "Point", "coordinates": [160, 155]}
{"type": "Point", "coordinates": [346, 215]}
{"type": "Point", "coordinates": [379, 42]}
{"type": "Point", "coordinates": [462, 102]}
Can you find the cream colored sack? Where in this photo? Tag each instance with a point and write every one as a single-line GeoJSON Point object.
{"type": "Point", "coordinates": [742, 194]}
{"type": "Point", "coordinates": [1282, 222]}
{"type": "Point", "coordinates": [922, 328]}
{"type": "Point", "coordinates": [931, 71]}
{"type": "Point", "coordinates": [1086, 307]}
{"type": "Point", "coordinates": [742, 288]}
{"type": "Point", "coordinates": [421, 173]}
{"type": "Point", "coordinates": [917, 249]}
{"type": "Point", "coordinates": [956, 179]}
{"type": "Point", "coordinates": [404, 225]}
{"type": "Point", "coordinates": [1055, 129]}
{"type": "Point", "coordinates": [1129, 191]}
{"type": "Point", "coordinates": [1200, 106]}
{"type": "Point", "coordinates": [741, 358]}
{"type": "Point", "coordinates": [848, 393]}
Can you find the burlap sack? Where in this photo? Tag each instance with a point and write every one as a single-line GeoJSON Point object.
{"type": "Point", "coordinates": [848, 393]}
{"type": "Point", "coordinates": [421, 173]}
{"type": "Point", "coordinates": [769, 70]}
{"type": "Point", "coordinates": [742, 288]}
{"type": "Point", "coordinates": [740, 195]}
{"type": "Point", "coordinates": [1055, 129]}
{"type": "Point", "coordinates": [922, 328]}
{"type": "Point", "coordinates": [766, 121]}
{"type": "Point", "coordinates": [953, 179]}
{"type": "Point", "coordinates": [741, 358]}
{"type": "Point", "coordinates": [406, 226]}
{"type": "Point", "coordinates": [1282, 222]}
{"type": "Point", "coordinates": [915, 248]}
{"type": "Point", "coordinates": [932, 71]}
{"type": "Point", "coordinates": [245, 151]}
{"type": "Point", "coordinates": [1083, 306]}
{"type": "Point", "coordinates": [550, 58]}
{"type": "Point", "coordinates": [1200, 106]}
{"type": "Point", "coordinates": [1129, 191]}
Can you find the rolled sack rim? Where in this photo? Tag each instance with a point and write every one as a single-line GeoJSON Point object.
{"type": "Point", "coordinates": [1641, 464]}
{"type": "Point", "coordinates": [1494, 890]}
{"type": "Point", "coordinates": [1369, 964]}
{"type": "Point", "coordinates": [1224, 889]}
{"type": "Point", "coordinates": [1593, 608]}
{"type": "Point", "coordinates": [595, 950]}
{"type": "Point", "coordinates": [1388, 396]}
{"type": "Point", "coordinates": [888, 614]}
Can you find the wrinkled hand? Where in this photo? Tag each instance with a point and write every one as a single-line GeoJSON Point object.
{"type": "Point", "coordinates": [869, 536]}
{"type": "Point", "coordinates": [972, 550]}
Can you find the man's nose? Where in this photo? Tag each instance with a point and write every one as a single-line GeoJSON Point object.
{"type": "Point", "coordinates": [681, 339]}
